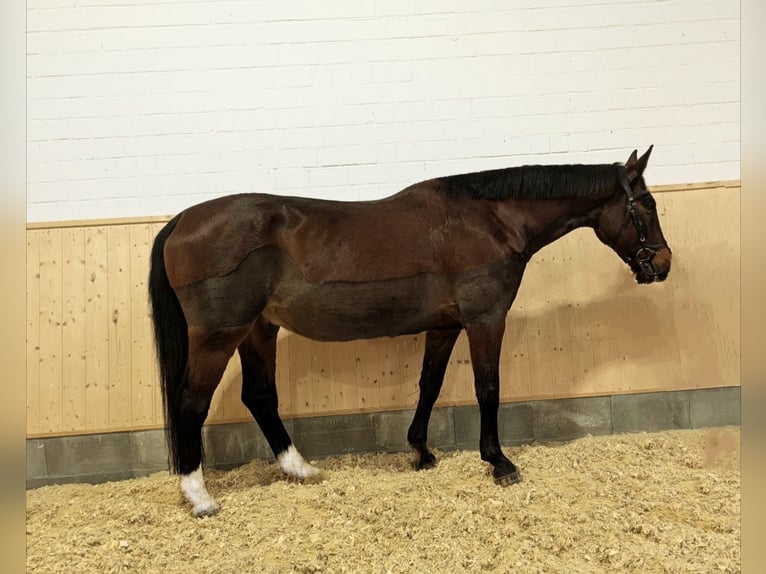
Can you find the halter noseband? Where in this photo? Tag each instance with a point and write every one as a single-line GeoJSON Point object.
{"type": "Point", "coordinates": [644, 255]}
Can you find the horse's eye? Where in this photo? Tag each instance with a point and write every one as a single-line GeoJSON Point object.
{"type": "Point", "coordinates": [649, 203]}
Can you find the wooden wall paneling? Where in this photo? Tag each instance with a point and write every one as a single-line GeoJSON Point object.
{"type": "Point", "coordinates": [506, 363]}
{"type": "Point", "coordinates": [668, 367]}
{"type": "Point", "coordinates": [323, 376]}
{"type": "Point", "coordinates": [606, 274]}
{"type": "Point", "coordinates": [118, 275]}
{"type": "Point", "coordinates": [685, 320]}
{"type": "Point", "coordinates": [142, 365]}
{"type": "Point", "coordinates": [539, 338]}
{"type": "Point", "coordinates": [727, 297]}
{"type": "Point", "coordinates": [33, 332]}
{"type": "Point", "coordinates": [724, 294]}
{"type": "Point", "coordinates": [368, 388]}
{"type": "Point", "coordinates": [590, 293]}
{"type": "Point", "coordinates": [558, 317]}
{"type": "Point", "coordinates": [589, 298]}
{"type": "Point", "coordinates": [300, 373]}
{"type": "Point", "coordinates": [514, 367]}
{"type": "Point", "coordinates": [346, 389]}
{"type": "Point", "coordinates": [215, 413]}
{"type": "Point", "coordinates": [410, 364]}
{"type": "Point", "coordinates": [228, 405]}
{"type": "Point", "coordinates": [73, 329]}
{"type": "Point", "coordinates": [706, 292]}
{"type": "Point", "coordinates": [97, 320]}
{"type": "Point", "coordinates": [575, 262]}
{"type": "Point", "coordinates": [51, 318]}
{"type": "Point", "coordinates": [460, 387]}
{"type": "Point", "coordinates": [389, 379]}
{"type": "Point", "coordinates": [283, 382]}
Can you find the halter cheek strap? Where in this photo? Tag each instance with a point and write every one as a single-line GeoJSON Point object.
{"type": "Point", "coordinates": [644, 255]}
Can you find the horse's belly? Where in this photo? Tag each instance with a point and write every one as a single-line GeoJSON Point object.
{"type": "Point", "coordinates": [343, 311]}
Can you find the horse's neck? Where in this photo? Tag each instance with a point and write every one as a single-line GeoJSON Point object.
{"type": "Point", "coordinates": [545, 221]}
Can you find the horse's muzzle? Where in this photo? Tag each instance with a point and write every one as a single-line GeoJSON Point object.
{"type": "Point", "coordinates": [650, 265]}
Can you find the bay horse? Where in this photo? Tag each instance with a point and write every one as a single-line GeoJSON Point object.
{"type": "Point", "coordinates": [440, 256]}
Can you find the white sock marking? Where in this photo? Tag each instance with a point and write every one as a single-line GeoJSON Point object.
{"type": "Point", "coordinates": [193, 488]}
{"type": "Point", "coordinates": [293, 464]}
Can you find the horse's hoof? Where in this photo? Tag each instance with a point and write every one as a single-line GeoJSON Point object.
{"type": "Point", "coordinates": [509, 479]}
{"type": "Point", "coordinates": [313, 478]}
{"type": "Point", "coordinates": [425, 462]}
{"type": "Point", "coordinates": [207, 509]}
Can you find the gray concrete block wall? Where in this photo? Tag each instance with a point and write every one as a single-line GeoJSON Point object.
{"type": "Point", "coordinates": [116, 456]}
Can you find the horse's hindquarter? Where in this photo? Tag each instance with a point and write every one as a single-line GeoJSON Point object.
{"type": "Point", "coordinates": [337, 270]}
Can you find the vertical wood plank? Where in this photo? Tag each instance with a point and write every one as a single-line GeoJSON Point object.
{"type": "Point", "coordinates": [141, 352]}
{"type": "Point", "coordinates": [603, 283]}
{"type": "Point", "coordinates": [581, 343]}
{"type": "Point", "coordinates": [410, 363]}
{"type": "Point", "coordinates": [34, 424]}
{"type": "Point", "coordinates": [344, 377]}
{"type": "Point", "coordinates": [323, 376]}
{"type": "Point", "coordinates": [368, 385]}
{"type": "Point", "coordinates": [227, 403]}
{"type": "Point", "coordinates": [562, 305]}
{"type": "Point", "coordinates": [96, 329]}
{"type": "Point", "coordinates": [458, 380]}
{"type": "Point", "coordinates": [555, 334]}
{"type": "Point", "coordinates": [541, 338]}
{"type": "Point", "coordinates": [388, 380]}
{"type": "Point", "coordinates": [51, 400]}
{"type": "Point", "coordinates": [215, 414]}
{"type": "Point", "coordinates": [300, 373]}
{"type": "Point", "coordinates": [73, 328]}
{"type": "Point", "coordinates": [283, 380]}
{"type": "Point", "coordinates": [119, 288]}
{"type": "Point", "coordinates": [514, 371]}
{"type": "Point", "coordinates": [727, 294]}
{"type": "Point", "coordinates": [236, 410]}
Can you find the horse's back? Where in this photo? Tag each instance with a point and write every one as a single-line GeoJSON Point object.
{"type": "Point", "coordinates": [417, 231]}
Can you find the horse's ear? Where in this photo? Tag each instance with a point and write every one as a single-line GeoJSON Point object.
{"type": "Point", "coordinates": [637, 167]}
{"type": "Point", "coordinates": [632, 159]}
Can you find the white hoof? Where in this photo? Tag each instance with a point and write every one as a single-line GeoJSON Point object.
{"type": "Point", "coordinates": [193, 488]}
{"type": "Point", "coordinates": [293, 464]}
{"type": "Point", "coordinates": [206, 509]}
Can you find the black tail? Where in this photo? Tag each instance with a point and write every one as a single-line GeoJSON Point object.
{"type": "Point", "coordinates": [170, 338]}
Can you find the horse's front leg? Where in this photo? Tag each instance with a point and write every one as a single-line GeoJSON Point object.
{"type": "Point", "coordinates": [485, 340]}
{"type": "Point", "coordinates": [439, 346]}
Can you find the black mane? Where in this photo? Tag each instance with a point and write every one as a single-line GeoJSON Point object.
{"type": "Point", "coordinates": [537, 182]}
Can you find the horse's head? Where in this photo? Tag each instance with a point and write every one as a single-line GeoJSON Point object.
{"type": "Point", "coordinates": [628, 223]}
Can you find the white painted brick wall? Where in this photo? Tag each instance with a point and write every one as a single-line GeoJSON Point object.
{"type": "Point", "coordinates": [144, 107]}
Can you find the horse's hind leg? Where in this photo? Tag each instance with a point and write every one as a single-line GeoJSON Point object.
{"type": "Point", "coordinates": [259, 394]}
{"type": "Point", "coordinates": [209, 353]}
{"type": "Point", "coordinates": [439, 345]}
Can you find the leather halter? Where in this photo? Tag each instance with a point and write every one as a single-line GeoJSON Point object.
{"type": "Point", "coordinates": [644, 255]}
